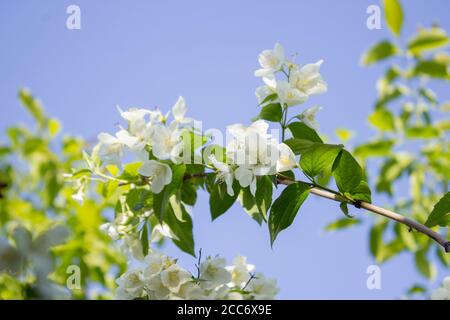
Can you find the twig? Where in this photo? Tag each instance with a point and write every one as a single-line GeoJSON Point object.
{"type": "Point", "coordinates": [382, 212]}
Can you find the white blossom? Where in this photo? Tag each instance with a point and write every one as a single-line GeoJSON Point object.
{"type": "Point", "coordinates": [174, 276]}
{"type": "Point", "coordinates": [240, 271]}
{"type": "Point", "coordinates": [167, 143]}
{"type": "Point", "coordinates": [286, 158]}
{"type": "Point", "coordinates": [110, 149]}
{"type": "Point", "coordinates": [179, 110]}
{"type": "Point", "coordinates": [289, 95]}
{"type": "Point", "coordinates": [262, 288]}
{"type": "Point", "coordinates": [308, 117]}
{"type": "Point", "coordinates": [225, 173]}
{"type": "Point", "coordinates": [159, 173]}
{"type": "Point", "coordinates": [131, 283]}
{"type": "Point", "coordinates": [271, 61]}
{"type": "Point", "coordinates": [307, 79]}
{"type": "Point", "coordinates": [213, 273]}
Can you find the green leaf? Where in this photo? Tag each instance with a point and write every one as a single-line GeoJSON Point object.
{"type": "Point", "coordinates": [263, 196]}
{"type": "Point", "coordinates": [394, 15]}
{"type": "Point", "coordinates": [425, 267]}
{"type": "Point", "coordinates": [300, 130]}
{"type": "Point", "coordinates": [441, 213]}
{"type": "Point", "coordinates": [344, 208]}
{"type": "Point", "coordinates": [161, 200]}
{"type": "Point", "coordinates": [33, 106]}
{"type": "Point", "coordinates": [342, 223]}
{"type": "Point", "coordinates": [382, 119]}
{"type": "Point", "coordinates": [53, 127]}
{"type": "Point", "coordinates": [81, 173]}
{"type": "Point", "coordinates": [422, 132]}
{"type": "Point", "coordinates": [299, 146]}
{"type": "Point", "coordinates": [270, 97]}
{"type": "Point", "coordinates": [428, 39]}
{"type": "Point", "coordinates": [182, 230]}
{"type": "Point", "coordinates": [406, 236]}
{"type": "Point", "coordinates": [220, 201]}
{"type": "Point", "coordinates": [319, 158]}
{"type": "Point", "coordinates": [347, 172]}
{"type": "Point", "coordinates": [374, 149]}
{"type": "Point", "coordinates": [271, 112]}
{"type": "Point", "coordinates": [188, 193]}
{"type": "Point", "coordinates": [362, 192]}
{"type": "Point", "coordinates": [376, 239]}
{"type": "Point", "coordinates": [378, 52]}
{"type": "Point", "coordinates": [285, 208]}
{"type": "Point", "coordinates": [431, 68]}
{"type": "Point", "coordinates": [144, 239]}
{"type": "Point", "coordinates": [249, 204]}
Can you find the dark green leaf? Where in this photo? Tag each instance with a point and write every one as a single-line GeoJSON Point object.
{"type": "Point", "coordinates": [144, 239]}
{"type": "Point", "coordinates": [318, 158]}
{"type": "Point", "coordinates": [285, 208]}
{"type": "Point", "coordinates": [263, 196]}
{"type": "Point", "coordinates": [181, 229]}
{"type": "Point", "coordinates": [220, 201]}
{"type": "Point", "coordinates": [271, 112]}
{"type": "Point", "coordinates": [428, 39]}
{"type": "Point", "coordinates": [380, 51]}
{"type": "Point", "coordinates": [441, 213]}
{"type": "Point", "coordinates": [300, 130]}
{"type": "Point", "coordinates": [347, 172]}
{"type": "Point", "coordinates": [298, 146]}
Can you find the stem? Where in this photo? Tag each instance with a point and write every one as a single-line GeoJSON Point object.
{"type": "Point", "coordinates": [380, 211]}
{"type": "Point", "coordinates": [335, 196]}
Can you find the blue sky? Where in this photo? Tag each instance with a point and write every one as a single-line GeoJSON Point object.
{"type": "Point", "coordinates": [147, 53]}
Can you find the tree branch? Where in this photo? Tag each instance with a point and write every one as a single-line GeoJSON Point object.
{"type": "Point", "coordinates": [321, 192]}
{"type": "Point", "coordinates": [382, 212]}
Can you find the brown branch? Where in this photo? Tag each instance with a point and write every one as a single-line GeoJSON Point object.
{"type": "Point", "coordinates": [382, 212]}
{"type": "Point", "coordinates": [319, 191]}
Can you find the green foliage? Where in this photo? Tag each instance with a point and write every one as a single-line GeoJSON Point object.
{"type": "Point", "coordinates": [394, 15]}
{"type": "Point", "coordinates": [318, 158]}
{"type": "Point", "coordinates": [271, 112]}
{"type": "Point", "coordinates": [220, 201]}
{"type": "Point", "coordinates": [41, 221]}
{"type": "Point", "coordinates": [407, 115]}
{"type": "Point", "coordinates": [441, 213]}
{"type": "Point", "coordinates": [380, 51]}
{"type": "Point", "coordinates": [285, 208]}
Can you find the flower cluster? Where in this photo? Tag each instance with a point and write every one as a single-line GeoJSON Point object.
{"type": "Point", "coordinates": [164, 141]}
{"type": "Point", "coordinates": [442, 293]}
{"type": "Point", "coordinates": [301, 82]}
{"type": "Point", "coordinates": [161, 278]}
{"type": "Point", "coordinates": [252, 152]}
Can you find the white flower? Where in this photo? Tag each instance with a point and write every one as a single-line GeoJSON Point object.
{"type": "Point", "coordinates": [240, 271]}
{"type": "Point", "coordinates": [173, 277]}
{"type": "Point", "coordinates": [191, 291]}
{"type": "Point", "coordinates": [131, 282]}
{"type": "Point", "coordinates": [135, 118]}
{"type": "Point", "coordinates": [240, 132]}
{"type": "Point", "coordinates": [161, 231]}
{"type": "Point", "coordinates": [167, 143]}
{"type": "Point", "coordinates": [159, 173]}
{"type": "Point", "coordinates": [132, 142]}
{"type": "Point", "coordinates": [111, 230]}
{"type": "Point", "coordinates": [262, 288]}
{"type": "Point", "coordinates": [271, 61]}
{"type": "Point", "coordinates": [446, 283]}
{"type": "Point", "coordinates": [307, 79]}
{"type": "Point", "coordinates": [110, 149]}
{"type": "Point", "coordinates": [155, 263]}
{"type": "Point", "coordinates": [213, 272]}
{"type": "Point", "coordinates": [286, 158]}
{"type": "Point", "coordinates": [179, 110]}
{"type": "Point", "coordinates": [263, 92]}
{"type": "Point", "coordinates": [289, 94]}
{"type": "Point", "coordinates": [79, 195]}
{"type": "Point", "coordinates": [246, 177]}
{"type": "Point", "coordinates": [225, 173]}
{"type": "Point", "coordinates": [157, 287]}
{"type": "Point", "coordinates": [308, 117]}
{"type": "Point", "coordinates": [440, 294]}
{"type": "Point", "coordinates": [132, 247]}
